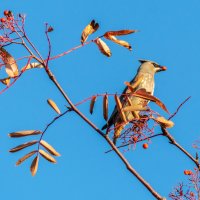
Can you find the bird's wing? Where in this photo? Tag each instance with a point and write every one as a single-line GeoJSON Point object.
{"type": "Point", "coordinates": [134, 82]}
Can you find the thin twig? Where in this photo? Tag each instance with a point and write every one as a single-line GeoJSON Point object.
{"type": "Point", "coordinates": [173, 141]}
{"type": "Point", "coordinates": [140, 140]}
{"type": "Point", "coordinates": [179, 108]}
{"type": "Point", "coordinates": [49, 124]}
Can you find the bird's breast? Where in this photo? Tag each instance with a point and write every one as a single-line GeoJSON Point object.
{"type": "Point", "coordinates": [147, 83]}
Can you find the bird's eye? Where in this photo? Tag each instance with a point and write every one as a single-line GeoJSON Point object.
{"type": "Point", "coordinates": [155, 65]}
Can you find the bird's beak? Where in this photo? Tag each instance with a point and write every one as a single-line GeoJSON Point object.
{"type": "Point", "coordinates": [161, 68]}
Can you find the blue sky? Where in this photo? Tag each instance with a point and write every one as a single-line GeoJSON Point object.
{"type": "Point", "coordinates": [169, 34]}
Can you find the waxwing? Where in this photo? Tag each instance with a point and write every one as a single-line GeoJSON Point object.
{"type": "Point", "coordinates": [144, 79]}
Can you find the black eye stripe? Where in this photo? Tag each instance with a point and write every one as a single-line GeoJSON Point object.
{"type": "Point", "coordinates": [155, 65]}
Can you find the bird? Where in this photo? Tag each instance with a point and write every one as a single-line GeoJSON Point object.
{"type": "Point", "coordinates": [144, 79]}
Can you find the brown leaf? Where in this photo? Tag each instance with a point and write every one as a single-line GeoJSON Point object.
{"type": "Point", "coordinates": [164, 122]}
{"type": "Point", "coordinates": [142, 93]}
{"type": "Point", "coordinates": [105, 107]}
{"type": "Point", "coordinates": [5, 81]}
{"type": "Point", "coordinates": [22, 146]}
{"type": "Point", "coordinates": [54, 106]}
{"type": "Point", "coordinates": [49, 148]}
{"type": "Point", "coordinates": [134, 108]}
{"type": "Point", "coordinates": [34, 165]}
{"type": "Point", "coordinates": [103, 47]}
{"type": "Point", "coordinates": [120, 42]}
{"type": "Point", "coordinates": [47, 156]}
{"type": "Point", "coordinates": [10, 63]}
{"type": "Point", "coordinates": [88, 30]}
{"type": "Point", "coordinates": [119, 108]}
{"type": "Point", "coordinates": [132, 86]}
{"type": "Point", "coordinates": [120, 32]}
{"type": "Point", "coordinates": [129, 86]}
{"type": "Point", "coordinates": [134, 113]}
{"type": "Point", "coordinates": [93, 100]}
{"type": "Point", "coordinates": [28, 155]}
{"type": "Point", "coordinates": [32, 65]}
{"type": "Point", "coordinates": [24, 133]}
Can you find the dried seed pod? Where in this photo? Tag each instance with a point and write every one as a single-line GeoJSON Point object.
{"type": "Point", "coordinates": [22, 146]}
{"type": "Point", "coordinates": [25, 157]}
{"type": "Point", "coordinates": [119, 33]}
{"type": "Point", "coordinates": [5, 81]}
{"type": "Point", "coordinates": [32, 66]}
{"type": "Point", "coordinates": [119, 108]}
{"type": "Point", "coordinates": [105, 107]}
{"type": "Point", "coordinates": [142, 93]}
{"type": "Point", "coordinates": [53, 105]}
{"type": "Point", "coordinates": [24, 133]}
{"type": "Point", "coordinates": [164, 122]}
{"type": "Point", "coordinates": [47, 156]}
{"type": "Point", "coordinates": [34, 165]}
{"type": "Point", "coordinates": [120, 42]}
{"type": "Point", "coordinates": [49, 148]}
{"type": "Point", "coordinates": [93, 100]}
{"type": "Point", "coordinates": [134, 108]}
{"type": "Point", "coordinates": [88, 30]}
{"type": "Point", "coordinates": [10, 63]}
{"type": "Point", "coordinates": [103, 47]}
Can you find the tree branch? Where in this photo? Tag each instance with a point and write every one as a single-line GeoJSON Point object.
{"type": "Point", "coordinates": [127, 164]}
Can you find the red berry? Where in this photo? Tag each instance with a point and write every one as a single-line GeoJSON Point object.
{"type": "Point", "coordinates": [186, 172]}
{"type": "Point", "coordinates": [135, 139]}
{"type": "Point", "coordinates": [191, 194]}
{"type": "Point", "coordinates": [3, 20]}
{"type": "Point", "coordinates": [190, 172]}
{"type": "Point", "coordinates": [6, 12]}
{"type": "Point", "coordinates": [9, 18]}
{"type": "Point", "coordinates": [145, 145]}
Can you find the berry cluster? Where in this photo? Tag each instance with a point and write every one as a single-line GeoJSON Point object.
{"type": "Point", "coordinates": [8, 16]}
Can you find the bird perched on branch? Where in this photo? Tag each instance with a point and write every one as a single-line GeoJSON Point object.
{"type": "Point", "coordinates": [144, 79]}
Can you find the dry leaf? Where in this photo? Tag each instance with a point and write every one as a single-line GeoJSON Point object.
{"type": "Point", "coordinates": [119, 108]}
{"type": "Point", "coordinates": [54, 106]}
{"type": "Point", "coordinates": [120, 42]}
{"type": "Point", "coordinates": [134, 113]}
{"type": "Point", "coordinates": [93, 100]}
{"type": "Point", "coordinates": [103, 47]}
{"type": "Point", "coordinates": [105, 107]}
{"type": "Point", "coordinates": [118, 129]}
{"type": "Point", "coordinates": [34, 165]}
{"type": "Point", "coordinates": [10, 63]}
{"type": "Point", "coordinates": [28, 155]}
{"type": "Point", "coordinates": [134, 108]}
{"type": "Point", "coordinates": [164, 122]}
{"type": "Point", "coordinates": [47, 156]}
{"type": "Point", "coordinates": [132, 86]}
{"type": "Point", "coordinates": [22, 146]}
{"type": "Point", "coordinates": [88, 30]}
{"type": "Point", "coordinates": [5, 81]}
{"type": "Point", "coordinates": [120, 32]}
{"type": "Point", "coordinates": [142, 93]}
{"type": "Point", "coordinates": [49, 148]}
{"type": "Point", "coordinates": [32, 65]}
{"type": "Point", "coordinates": [24, 133]}
{"type": "Point", "coordinates": [129, 86]}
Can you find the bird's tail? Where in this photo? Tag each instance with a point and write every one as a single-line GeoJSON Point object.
{"type": "Point", "coordinates": [114, 140]}
{"type": "Point", "coordinates": [117, 133]}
